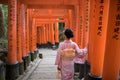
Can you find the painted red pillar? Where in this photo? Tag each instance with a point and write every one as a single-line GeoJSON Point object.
{"type": "Point", "coordinates": [74, 27]}
{"type": "Point", "coordinates": [52, 33]}
{"type": "Point", "coordinates": [23, 31]}
{"type": "Point", "coordinates": [46, 27]}
{"type": "Point", "coordinates": [77, 11]}
{"type": "Point", "coordinates": [27, 30]}
{"type": "Point", "coordinates": [99, 15]}
{"type": "Point", "coordinates": [19, 41]}
{"type": "Point", "coordinates": [112, 50]}
{"type": "Point", "coordinates": [19, 35]}
{"type": "Point", "coordinates": [56, 33]}
{"type": "Point", "coordinates": [70, 18]}
{"type": "Point", "coordinates": [12, 68]}
{"type": "Point", "coordinates": [12, 18]}
{"type": "Point", "coordinates": [85, 22]}
{"type": "Point", "coordinates": [38, 35]}
{"type": "Point", "coordinates": [91, 30]}
{"type": "Point", "coordinates": [24, 35]}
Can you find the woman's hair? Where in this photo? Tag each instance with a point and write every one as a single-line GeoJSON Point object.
{"type": "Point", "coordinates": [68, 33]}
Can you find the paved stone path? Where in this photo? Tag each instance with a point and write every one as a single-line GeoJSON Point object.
{"type": "Point", "coordinates": [42, 69]}
{"type": "Point", "coordinates": [45, 70]}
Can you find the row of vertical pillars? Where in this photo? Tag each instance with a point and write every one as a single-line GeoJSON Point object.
{"type": "Point", "coordinates": [48, 35]}
{"type": "Point", "coordinates": [100, 21]}
{"type": "Point", "coordinates": [21, 44]}
{"type": "Point", "coordinates": [104, 39]}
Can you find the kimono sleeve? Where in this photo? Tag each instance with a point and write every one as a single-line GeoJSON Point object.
{"type": "Point", "coordinates": [57, 61]}
{"type": "Point", "coordinates": [80, 51]}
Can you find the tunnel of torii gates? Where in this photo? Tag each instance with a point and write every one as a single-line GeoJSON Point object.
{"type": "Point", "coordinates": [95, 23]}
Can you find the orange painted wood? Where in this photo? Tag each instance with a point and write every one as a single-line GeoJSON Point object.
{"type": "Point", "coordinates": [49, 40]}
{"type": "Point", "coordinates": [27, 26]}
{"type": "Point", "coordinates": [48, 20]}
{"type": "Point", "coordinates": [34, 6]}
{"type": "Point", "coordinates": [34, 34]}
{"type": "Point", "coordinates": [23, 38]}
{"type": "Point", "coordinates": [100, 28]}
{"type": "Point", "coordinates": [19, 41]}
{"type": "Point", "coordinates": [85, 22]}
{"type": "Point", "coordinates": [91, 30]}
{"type": "Point", "coordinates": [70, 18]}
{"type": "Point", "coordinates": [56, 32]}
{"type": "Point", "coordinates": [52, 33]}
{"type": "Point", "coordinates": [80, 25]}
{"type": "Point", "coordinates": [46, 31]}
{"type": "Point", "coordinates": [112, 52]}
{"type": "Point", "coordinates": [12, 18]}
{"type": "Point", "coordinates": [74, 25]}
{"type": "Point", "coordinates": [51, 2]}
{"type": "Point", "coordinates": [38, 35]}
{"type": "Point", "coordinates": [31, 21]}
{"type": "Point", "coordinates": [44, 37]}
{"type": "Point", "coordinates": [77, 13]}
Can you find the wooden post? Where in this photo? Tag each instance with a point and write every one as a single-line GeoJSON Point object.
{"type": "Point", "coordinates": [56, 33]}
{"type": "Point", "coordinates": [23, 31]}
{"type": "Point", "coordinates": [23, 38]}
{"type": "Point", "coordinates": [12, 68]}
{"type": "Point", "coordinates": [112, 52]}
{"type": "Point", "coordinates": [100, 13]}
{"type": "Point", "coordinates": [19, 41]}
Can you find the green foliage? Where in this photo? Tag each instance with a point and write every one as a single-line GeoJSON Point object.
{"type": "Point", "coordinates": [5, 19]}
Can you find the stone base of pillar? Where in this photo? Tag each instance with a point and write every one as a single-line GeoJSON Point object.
{"type": "Point", "coordinates": [32, 56]}
{"type": "Point", "coordinates": [36, 53]}
{"type": "Point", "coordinates": [87, 68]}
{"type": "Point", "coordinates": [25, 62]}
{"type": "Point", "coordinates": [91, 77]}
{"type": "Point", "coordinates": [76, 67]}
{"type": "Point", "coordinates": [50, 45]}
{"type": "Point", "coordinates": [81, 71]}
{"type": "Point", "coordinates": [21, 68]}
{"type": "Point", "coordinates": [38, 45]}
{"type": "Point", "coordinates": [56, 44]}
{"type": "Point", "coordinates": [2, 71]}
{"type": "Point", "coordinates": [28, 59]}
{"type": "Point", "coordinates": [12, 71]}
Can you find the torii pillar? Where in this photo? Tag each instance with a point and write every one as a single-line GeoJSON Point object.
{"type": "Point", "coordinates": [27, 37]}
{"type": "Point", "coordinates": [56, 34]}
{"type": "Point", "coordinates": [112, 53]}
{"type": "Point", "coordinates": [100, 13]}
{"type": "Point", "coordinates": [19, 40]}
{"type": "Point", "coordinates": [12, 68]}
{"type": "Point", "coordinates": [23, 38]}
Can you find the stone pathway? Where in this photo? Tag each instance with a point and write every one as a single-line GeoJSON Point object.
{"type": "Point", "coordinates": [42, 69]}
{"type": "Point", "coordinates": [45, 70]}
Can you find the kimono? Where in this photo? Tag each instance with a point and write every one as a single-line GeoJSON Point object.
{"type": "Point", "coordinates": [67, 67]}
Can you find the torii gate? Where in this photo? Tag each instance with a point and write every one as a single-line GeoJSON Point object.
{"type": "Point", "coordinates": [104, 35]}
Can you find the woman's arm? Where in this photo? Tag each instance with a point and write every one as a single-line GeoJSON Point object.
{"type": "Point", "coordinates": [80, 51]}
{"type": "Point", "coordinates": [58, 58]}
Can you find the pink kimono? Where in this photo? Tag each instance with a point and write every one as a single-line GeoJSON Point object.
{"type": "Point", "coordinates": [67, 67]}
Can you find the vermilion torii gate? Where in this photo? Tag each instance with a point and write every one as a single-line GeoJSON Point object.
{"type": "Point", "coordinates": [98, 18]}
